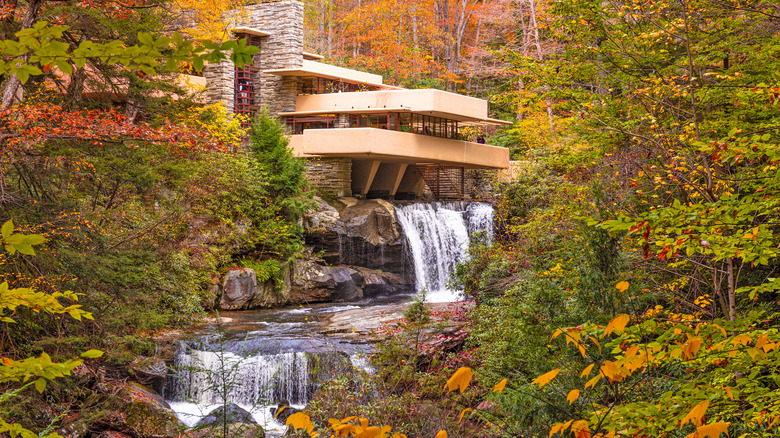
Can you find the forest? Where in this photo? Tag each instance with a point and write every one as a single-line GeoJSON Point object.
{"type": "Point", "coordinates": [631, 286]}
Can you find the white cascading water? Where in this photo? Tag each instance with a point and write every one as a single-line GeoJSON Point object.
{"type": "Point", "coordinates": [438, 238]}
{"type": "Point", "coordinates": [255, 382]}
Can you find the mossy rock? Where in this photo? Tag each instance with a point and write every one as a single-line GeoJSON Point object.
{"type": "Point", "coordinates": [235, 430]}
{"type": "Point", "coordinates": [146, 413]}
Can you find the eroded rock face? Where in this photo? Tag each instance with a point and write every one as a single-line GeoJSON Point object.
{"type": "Point", "coordinates": [232, 413]}
{"type": "Point", "coordinates": [141, 412]}
{"type": "Point", "coordinates": [313, 283]}
{"type": "Point", "coordinates": [364, 233]}
{"type": "Point", "coordinates": [356, 251]}
{"type": "Point", "coordinates": [238, 288]}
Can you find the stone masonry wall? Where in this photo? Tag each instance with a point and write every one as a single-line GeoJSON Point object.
{"type": "Point", "coordinates": [332, 175]}
{"type": "Point", "coordinates": [480, 184]}
{"type": "Point", "coordinates": [283, 49]}
{"type": "Point", "coordinates": [221, 78]}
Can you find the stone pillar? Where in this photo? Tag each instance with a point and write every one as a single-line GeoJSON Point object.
{"type": "Point", "coordinates": [282, 49]}
{"type": "Point", "coordinates": [331, 175]}
{"type": "Point", "coordinates": [220, 79]}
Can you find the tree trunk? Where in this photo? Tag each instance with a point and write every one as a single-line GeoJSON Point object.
{"type": "Point", "coordinates": [12, 90]}
{"type": "Point", "coordinates": [539, 54]}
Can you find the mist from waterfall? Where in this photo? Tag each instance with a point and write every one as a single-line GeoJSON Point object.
{"type": "Point", "coordinates": [438, 237]}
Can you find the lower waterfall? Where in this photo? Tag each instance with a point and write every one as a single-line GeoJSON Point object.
{"type": "Point", "coordinates": [438, 238]}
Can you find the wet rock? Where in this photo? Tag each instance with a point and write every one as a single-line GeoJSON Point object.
{"type": "Point", "coordinates": [141, 411]}
{"type": "Point", "coordinates": [238, 288]}
{"type": "Point", "coordinates": [376, 283]}
{"type": "Point", "coordinates": [231, 413]}
{"type": "Point", "coordinates": [365, 233]}
{"type": "Point", "coordinates": [286, 411]}
{"type": "Point", "coordinates": [234, 430]}
{"type": "Point", "coordinates": [323, 218]}
{"type": "Point", "coordinates": [150, 371]}
{"type": "Point", "coordinates": [313, 282]}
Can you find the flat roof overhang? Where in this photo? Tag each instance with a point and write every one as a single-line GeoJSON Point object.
{"type": "Point", "coordinates": [312, 56]}
{"type": "Point", "coordinates": [451, 116]}
{"type": "Point", "coordinates": [431, 102]}
{"type": "Point", "coordinates": [314, 69]}
{"type": "Point", "coordinates": [250, 31]}
{"type": "Point", "coordinates": [398, 147]}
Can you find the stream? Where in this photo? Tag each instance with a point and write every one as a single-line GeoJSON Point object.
{"type": "Point", "coordinates": [257, 358]}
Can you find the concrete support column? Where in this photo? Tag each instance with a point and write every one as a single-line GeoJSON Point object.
{"type": "Point", "coordinates": [371, 175]}
{"type": "Point", "coordinates": [399, 176]}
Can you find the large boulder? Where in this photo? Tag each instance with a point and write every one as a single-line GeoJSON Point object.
{"type": "Point", "coordinates": [140, 411]}
{"type": "Point", "coordinates": [313, 283]}
{"type": "Point", "coordinates": [365, 233]}
{"type": "Point", "coordinates": [231, 413]}
{"type": "Point", "coordinates": [238, 288]}
{"type": "Point", "coordinates": [150, 371]}
{"type": "Point", "coordinates": [282, 411]}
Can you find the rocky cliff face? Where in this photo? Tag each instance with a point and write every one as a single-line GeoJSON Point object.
{"type": "Point", "coordinates": [356, 251]}
{"type": "Point", "coordinates": [361, 233]}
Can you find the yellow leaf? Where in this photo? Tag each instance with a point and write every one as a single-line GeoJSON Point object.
{"type": "Point", "coordinates": [692, 347]}
{"type": "Point", "coordinates": [586, 371]}
{"type": "Point", "coordinates": [441, 434]}
{"type": "Point", "coordinates": [712, 430]}
{"type": "Point", "coordinates": [555, 334]}
{"type": "Point", "coordinates": [593, 381]}
{"type": "Point", "coordinates": [696, 416]}
{"type": "Point", "coordinates": [300, 420]}
{"type": "Point", "coordinates": [500, 386]}
{"type": "Point", "coordinates": [580, 429]}
{"type": "Point", "coordinates": [618, 323]}
{"type": "Point", "coordinates": [728, 391]}
{"type": "Point", "coordinates": [279, 411]}
{"type": "Point", "coordinates": [461, 414]}
{"type": "Point", "coordinates": [371, 432]}
{"type": "Point", "coordinates": [555, 429]}
{"type": "Point", "coordinates": [545, 378]}
{"type": "Point", "coordinates": [573, 395]}
{"type": "Point", "coordinates": [460, 379]}
{"type": "Point", "coordinates": [622, 286]}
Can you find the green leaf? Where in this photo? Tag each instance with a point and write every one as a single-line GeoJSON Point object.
{"type": "Point", "coordinates": [145, 38]}
{"type": "Point", "coordinates": [25, 248]}
{"type": "Point", "coordinates": [7, 228]}
{"type": "Point", "coordinates": [40, 384]}
{"type": "Point", "coordinates": [92, 354]}
{"type": "Point", "coordinates": [34, 239]}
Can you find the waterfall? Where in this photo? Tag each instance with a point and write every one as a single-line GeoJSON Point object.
{"type": "Point", "coordinates": [438, 237]}
{"type": "Point", "coordinates": [253, 382]}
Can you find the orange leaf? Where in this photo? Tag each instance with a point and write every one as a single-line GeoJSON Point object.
{"type": "Point", "coordinates": [618, 323]}
{"type": "Point", "coordinates": [713, 430]}
{"type": "Point", "coordinates": [573, 395]}
{"type": "Point", "coordinates": [586, 371]}
{"type": "Point", "coordinates": [728, 391]}
{"type": "Point", "coordinates": [500, 386]}
{"type": "Point", "coordinates": [441, 434]}
{"type": "Point", "coordinates": [580, 429]}
{"type": "Point", "coordinates": [460, 418]}
{"type": "Point", "coordinates": [593, 381]}
{"type": "Point", "coordinates": [622, 286]}
{"type": "Point", "coordinates": [460, 379]}
{"type": "Point", "coordinates": [300, 420]}
{"type": "Point", "coordinates": [696, 416]}
{"type": "Point", "coordinates": [545, 378]}
{"type": "Point", "coordinates": [371, 432]}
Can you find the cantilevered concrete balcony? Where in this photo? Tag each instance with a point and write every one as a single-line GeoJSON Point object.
{"type": "Point", "coordinates": [397, 147]}
{"type": "Point", "coordinates": [429, 102]}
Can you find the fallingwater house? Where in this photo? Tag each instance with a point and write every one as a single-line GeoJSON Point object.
{"type": "Point", "coordinates": [361, 136]}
